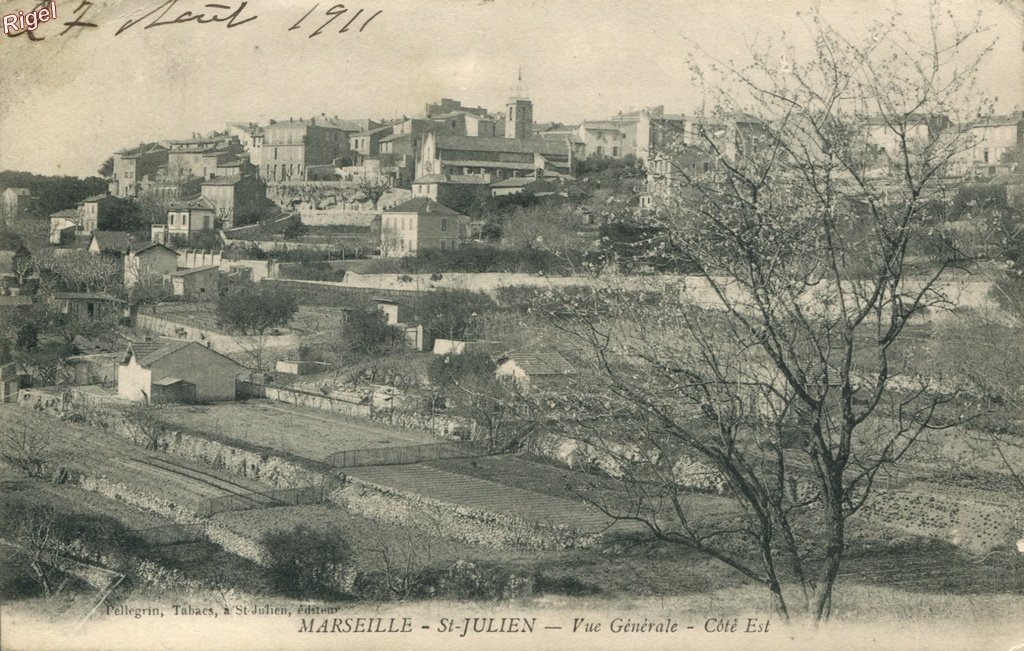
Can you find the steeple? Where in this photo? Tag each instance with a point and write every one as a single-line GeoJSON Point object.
{"type": "Point", "coordinates": [519, 119]}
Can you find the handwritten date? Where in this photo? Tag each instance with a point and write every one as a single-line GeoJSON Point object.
{"type": "Point", "coordinates": [337, 18]}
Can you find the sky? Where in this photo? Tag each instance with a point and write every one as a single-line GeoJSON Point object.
{"type": "Point", "coordinates": [68, 101]}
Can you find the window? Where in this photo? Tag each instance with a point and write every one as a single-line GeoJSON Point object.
{"type": "Point", "coordinates": [444, 224]}
{"type": "Point", "coordinates": [275, 154]}
{"type": "Point", "coordinates": [984, 155]}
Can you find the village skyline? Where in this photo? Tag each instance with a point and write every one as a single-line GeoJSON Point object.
{"type": "Point", "coordinates": [576, 65]}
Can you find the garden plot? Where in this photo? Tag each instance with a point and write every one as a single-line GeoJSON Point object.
{"type": "Point", "coordinates": [98, 455]}
{"type": "Point", "coordinates": [977, 521]}
{"type": "Point", "coordinates": [484, 495]}
{"type": "Point", "coordinates": [308, 433]}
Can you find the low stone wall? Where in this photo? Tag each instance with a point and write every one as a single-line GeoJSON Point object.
{"type": "Point", "coordinates": [220, 342]}
{"type": "Point", "coordinates": [315, 401]}
{"type": "Point", "coordinates": [337, 217]}
{"type": "Point", "coordinates": [461, 523]}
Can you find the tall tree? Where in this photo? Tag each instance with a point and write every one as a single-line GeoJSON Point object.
{"type": "Point", "coordinates": [772, 379]}
{"type": "Point", "coordinates": [253, 311]}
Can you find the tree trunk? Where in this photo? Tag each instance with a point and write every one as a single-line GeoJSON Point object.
{"type": "Point", "coordinates": [836, 543]}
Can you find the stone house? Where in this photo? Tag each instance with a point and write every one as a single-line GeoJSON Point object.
{"type": "Point", "coordinates": [198, 283]}
{"type": "Point", "coordinates": [234, 197]}
{"type": "Point", "coordinates": [149, 261]}
{"type": "Point", "coordinates": [15, 203]}
{"type": "Point", "coordinates": [93, 212]}
{"type": "Point", "coordinates": [419, 224]}
{"type": "Point", "coordinates": [63, 225]}
{"type": "Point", "coordinates": [133, 166]}
{"type": "Point", "coordinates": [155, 371]}
{"type": "Point", "coordinates": [184, 218]}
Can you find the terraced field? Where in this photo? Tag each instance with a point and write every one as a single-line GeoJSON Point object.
{"type": "Point", "coordinates": [308, 433]}
{"type": "Point", "coordinates": [488, 496]}
{"type": "Point", "coordinates": [96, 454]}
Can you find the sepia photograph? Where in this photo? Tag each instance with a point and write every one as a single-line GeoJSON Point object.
{"type": "Point", "coordinates": [512, 324]}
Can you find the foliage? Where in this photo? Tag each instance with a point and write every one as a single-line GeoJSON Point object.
{"type": "Point", "coordinates": [106, 170]}
{"type": "Point", "coordinates": [253, 309]}
{"type": "Point", "coordinates": [451, 313]}
{"type": "Point", "coordinates": [367, 332]}
{"type": "Point", "coordinates": [294, 229]}
{"type": "Point", "coordinates": [54, 192]}
{"type": "Point", "coordinates": [123, 215]}
{"type": "Point", "coordinates": [306, 563]}
{"type": "Point", "coordinates": [799, 234]}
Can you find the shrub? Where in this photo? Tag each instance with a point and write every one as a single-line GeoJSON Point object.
{"type": "Point", "coordinates": [306, 563]}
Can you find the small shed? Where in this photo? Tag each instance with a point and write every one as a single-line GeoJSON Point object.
{"type": "Point", "coordinates": [172, 390]}
{"type": "Point", "coordinates": [525, 368]}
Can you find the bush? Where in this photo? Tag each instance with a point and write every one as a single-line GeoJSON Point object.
{"type": "Point", "coordinates": [305, 563]}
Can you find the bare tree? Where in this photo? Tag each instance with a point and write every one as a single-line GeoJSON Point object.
{"type": "Point", "coordinates": [798, 195]}
{"type": "Point", "coordinates": [25, 447]}
{"type": "Point", "coordinates": [388, 241]}
{"type": "Point", "coordinates": [372, 189]}
{"type": "Point", "coordinates": [35, 529]}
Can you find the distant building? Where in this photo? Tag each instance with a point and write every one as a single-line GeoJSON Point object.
{"type": "Point", "coordinates": [197, 283]}
{"type": "Point", "coordinates": [492, 158]}
{"type": "Point", "coordinates": [15, 203]}
{"type": "Point", "coordinates": [919, 129]}
{"type": "Point", "coordinates": [110, 243]}
{"type": "Point", "coordinates": [90, 305]}
{"type": "Point", "coordinates": [290, 148]}
{"type": "Point", "coordinates": [185, 218]}
{"type": "Point", "coordinates": [175, 371]}
{"type": "Point", "coordinates": [419, 224]}
{"type": "Point", "coordinates": [367, 143]}
{"type": "Point", "coordinates": [525, 369]}
{"type": "Point", "coordinates": [94, 212]}
{"type": "Point", "coordinates": [63, 225]}
{"type": "Point", "coordinates": [668, 172]}
{"type": "Point", "coordinates": [234, 197]}
{"type": "Point", "coordinates": [520, 184]}
{"type": "Point", "coordinates": [995, 140]}
{"type": "Point", "coordinates": [133, 166]}
{"type": "Point", "coordinates": [199, 157]}
{"type": "Point", "coordinates": [152, 261]}
{"type": "Point", "coordinates": [604, 140]}
{"type": "Point", "coordinates": [451, 188]}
